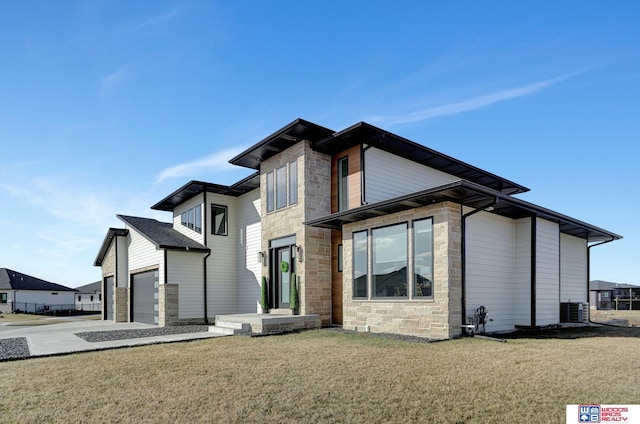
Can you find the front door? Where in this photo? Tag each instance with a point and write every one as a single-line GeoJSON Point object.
{"type": "Point", "coordinates": [283, 271]}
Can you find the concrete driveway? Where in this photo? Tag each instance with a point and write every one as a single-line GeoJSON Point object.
{"type": "Point", "coordinates": [52, 339]}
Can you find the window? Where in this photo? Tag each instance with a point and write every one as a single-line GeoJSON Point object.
{"type": "Point", "coordinates": [423, 258]}
{"type": "Point", "coordinates": [3, 298]}
{"type": "Point", "coordinates": [91, 298]}
{"type": "Point", "coordinates": [360, 264]}
{"type": "Point", "coordinates": [79, 298]}
{"type": "Point", "coordinates": [343, 189]}
{"type": "Point", "coordinates": [281, 187]}
{"type": "Point", "coordinates": [293, 183]}
{"type": "Point", "coordinates": [219, 220]}
{"type": "Point", "coordinates": [192, 219]}
{"type": "Point", "coordinates": [340, 258]}
{"type": "Point", "coordinates": [270, 191]}
{"type": "Point", "coordinates": [54, 294]}
{"type": "Point", "coordinates": [394, 272]}
{"type": "Point", "coordinates": [389, 260]}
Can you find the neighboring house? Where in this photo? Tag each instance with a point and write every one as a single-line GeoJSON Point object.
{"type": "Point", "coordinates": [89, 297]}
{"type": "Point", "coordinates": [383, 234]}
{"type": "Point", "coordinates": [614, 296]}
{"type": "Point", "coordinates": [21, 292]}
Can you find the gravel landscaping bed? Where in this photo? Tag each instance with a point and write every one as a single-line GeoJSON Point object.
{"type": "Point", "coordinates": [106, 336]}
{"type": "Point", "coordinates": [16, 347]}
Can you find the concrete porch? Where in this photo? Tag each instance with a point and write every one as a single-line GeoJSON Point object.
{"type": "Point", "coordinates": [263, 323]}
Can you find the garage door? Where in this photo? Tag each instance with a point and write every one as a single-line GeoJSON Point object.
{"type": "Point", "coordinates": [145, 297]}
{"type": "Point", "coordinates": [108, 300]}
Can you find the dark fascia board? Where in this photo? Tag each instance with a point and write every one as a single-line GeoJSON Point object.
{"type": "Point", "coordinates": [470, 194]}
{"type": "Point", "coordinates": [280, 140]}
{"type": "Point", "coordinates": [197, 247]}
{"type": "Point", "coordinates": [365, 133]}
{"type": "Point", "coordinates": [193, 188]}
{"type": "Point", "coordinates": [113, 232]}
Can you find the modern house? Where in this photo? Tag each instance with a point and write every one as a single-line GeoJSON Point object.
{"type": "Point", "coordinates": [383, 235]}
{"type": "Point", "coordinates": [614, 296]}
{"type": "Point", "coordinates": [89, 297]}
{"type": "Point", "coordinates": [22, 292]}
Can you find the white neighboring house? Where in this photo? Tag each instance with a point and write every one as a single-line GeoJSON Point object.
{"type": "Point", "coordinates": [21, 292]}
{"type": "Point", "coordinates": [89, 297]}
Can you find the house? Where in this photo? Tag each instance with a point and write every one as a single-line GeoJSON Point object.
{"type": "Point", "coordinates": [383, 234]}
{"type": "Point", "coordinates": [89, 297]}
{"type": "Point", "coordinates": [22, 292]}
{"type": "Point", "coordinates": [614, 296]}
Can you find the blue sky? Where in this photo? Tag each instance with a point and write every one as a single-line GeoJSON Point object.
{"type": "Point", "coordinates": [108, 106]}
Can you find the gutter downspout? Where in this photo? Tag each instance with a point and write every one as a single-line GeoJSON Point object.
{"type": "Point", "coordinates": [589, 276]}
{"type": "Point", "coordinates": [463, 257]}
{"type": "Point", "coordinates": [204, 260]}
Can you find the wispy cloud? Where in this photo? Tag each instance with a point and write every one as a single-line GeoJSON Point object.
{"type": "Point", "coordinates": [108, 83]}
{"type": "Point", "coordinates": [152, 22]}
{"type": "Point", "coordinates": [218, 161]}
{"type": "Point", "coordinates": [470, 104]}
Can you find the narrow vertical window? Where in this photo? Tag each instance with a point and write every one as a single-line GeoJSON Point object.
{"type": "Point", "coordinates": [423, 258]}
{"type": "Point", "coordinates": [198, 219]}
{"type": "Point", "coordinates": [293, 183]}
{"type": "Point", "coordinates": [340, 258]}
{"type": "Point", "coordinates": [219, 220]}
{"type": "Point", "coordinates": [281, 187]}
{"type": "Point", "coordinates": [270, 191]}
{"type": "Point", "coordinates": [360, 264]}
{"type": "Point", "coordinates": [343, 189]}
{"type": "Point", "coordinates": [190, 218]}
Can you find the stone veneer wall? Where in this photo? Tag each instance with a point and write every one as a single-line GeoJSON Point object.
{"type": "Point", "coordinates": [314, 200]}
{"type": "Point", "coordinates": [437, 318]}
{"type": "Point", "coordinates": [167, 304]}
{"type": "Point", "coordinates": [121, 308]}
{"type": "Point", "coordinates": [108, 269]}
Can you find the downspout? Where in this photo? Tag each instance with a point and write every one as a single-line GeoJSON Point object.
{"type": "Point", "coordinates": [204, 260]}
{"type": "Point", "coordinates": [463, 257]}
{"type": "Point", "coordinates": [589, 275]}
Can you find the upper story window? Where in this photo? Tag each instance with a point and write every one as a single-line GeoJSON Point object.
{"type": "Point", "coordinates": [192, 219]}
{"type": "Point", "coordinates": [219, 215]}
{"type": "Point", "coordinates": [282, 187]}
{"type": "Point", "coordinates": [3, 298]}
{"type": "Point", "coordinates": [343, 189]}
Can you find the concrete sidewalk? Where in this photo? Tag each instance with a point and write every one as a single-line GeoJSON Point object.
{"type": "Point", "coordinates": [52, 339]}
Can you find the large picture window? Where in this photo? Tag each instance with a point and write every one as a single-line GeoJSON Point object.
{"type": "Point", "coordinates": [219, 220]}
{"type": "Point", "coordinates": [389, 261]}
{"type": "Point", "coordinates": [423, 258]}
{"type": "Point", "coordinates": [395, 273]}
{"type": "Point", "coordinates": [360, 264]}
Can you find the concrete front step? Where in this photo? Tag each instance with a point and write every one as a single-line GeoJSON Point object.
{"type": "Point", "coordinates": [229, 328]}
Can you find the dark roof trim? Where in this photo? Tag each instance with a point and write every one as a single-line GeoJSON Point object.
{"type": "Point", "coordinates": [14, 280]}
{"type": "Point", "coordinates": [193, 188]}
{"type": "Point", "coordinates": [468, 194]}
{"type": "Point", "coordinates": [279, 141]}
{"type": "Point", "coordinates": [113, 232]}
{"type": "Point", "coordinates": [163, 235]}
{"type": "Point", "coordinates": [363, 132]}
{"type": "Point", "coordinates": [597, 285]}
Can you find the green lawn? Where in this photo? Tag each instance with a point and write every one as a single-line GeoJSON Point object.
{"type": "Point", "coordinates": [326, 376]}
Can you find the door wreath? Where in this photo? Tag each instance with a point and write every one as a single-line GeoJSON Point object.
{"type": "Point", "coordinates": [284, 266]}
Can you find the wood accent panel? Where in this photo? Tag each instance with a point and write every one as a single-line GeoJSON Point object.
{"type": "Point", "coordinates": [336, 279]}
{"type": "Point", "coordinates": [354, 182]}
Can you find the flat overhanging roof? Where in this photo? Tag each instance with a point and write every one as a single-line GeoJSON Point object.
{"type": "Point", "coordinates": [193, 188]}
{"type": "Point", "coordinates": [469, 194]}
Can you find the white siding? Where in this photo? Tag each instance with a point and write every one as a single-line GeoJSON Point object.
{"type": "Point", "coordinates": [222, 264]}
{"type": "Point", "coordinates": [547, 273]}
{"type": "Point", "coordinates": [143, 253]}
{"type": "Point", "coordinates": [249, 236]}
{"type": "Point", "coordinates": [522, 273]}
{"type": "Point", "coordinates": [573, 269]}
{"type": "Point", "coordinates": [186, 270]}
{"type": "Point", "coordinates": [177, 215]}
{"type": "Point", "coordinates": [388, 176]}
{"type": "Point", "coordinates": [44, 297]}
{"type": "Point", "coordinates": [490, 247]}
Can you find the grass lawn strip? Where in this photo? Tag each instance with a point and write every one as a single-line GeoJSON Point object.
{"type": "Point", "coordinates": [327, 376]}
